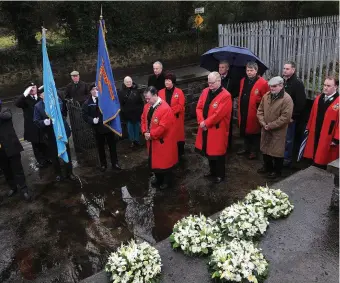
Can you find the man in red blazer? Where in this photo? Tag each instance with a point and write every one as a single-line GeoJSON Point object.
{"type": "Point", "coordinates": [213, 116]}
{"type": "Point", "coordinates": [322, 144]}
{"type": "Point", "coordinates": [157, 125]}
{"type": "Point", "coordinates": [252, 89]}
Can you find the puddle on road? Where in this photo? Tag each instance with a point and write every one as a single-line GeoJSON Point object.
{"type": "Point", "coordinates": [68, 232]}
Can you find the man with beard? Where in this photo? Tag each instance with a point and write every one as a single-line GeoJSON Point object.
{"type": "Point", "coordinates": [295, 88]}
{"type": "Point", "coordinates": [322, 144]}
{"type": "Point", "coordinates": [213, 116]}
{"type": "Point", "coordinates": [252, 89]}
{"type": "Point", "coordinates": [157, 79]}
{"type": "Point", "coordinates": [32, 133]}
{"type": "Point", "coordinates": [160, 134]}
{"type": "Point", "coordinates": [10, 157]}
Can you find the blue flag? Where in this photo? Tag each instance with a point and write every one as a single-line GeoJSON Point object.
{"type": "Point", "coordinates": [108, 101]}
{"type": "Point", "coordinates": [51, 100]}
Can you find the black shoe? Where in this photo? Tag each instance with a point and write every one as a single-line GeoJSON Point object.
{"type": "Point", "coordinates": [59, 178]}
{"type": "Point", "coordinates": [41, 164]}
{"type": "Point", "coordinates": [287, 163]}
{"type": "Point", "coordinates": [218, 180]}
{"type": "Point", "coordinates": [116, 167]}
{"type": "Point", "coordinates": [72, 177]}
{"type": "Point", "coordinates": [154, 182]}
{"type": "Point", "coordinates": [262, 170]}
{"type": "Point", "coordinates": [273, 175]}
{"type": "Point", "coordinates": [242, 152]}
{"type": "Point", "coordinates": [103, 168]}
{"type": "Point", "coordinates": [208, 175]}
{"type": "Point", "coordinates": [12, 192]}
{"type": "Point", "coordinates": [164, 186]}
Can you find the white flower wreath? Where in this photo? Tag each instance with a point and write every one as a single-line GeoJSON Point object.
{"type": "Point", "coordinates": [275, 203]}
{"type": "Point", "coordinates": [134, 263]}
{"type": "Point", "coordinates": [243, 221]}
{"type": "Point", "coordinates": [195, 235]}
{"type": "Point", "coordinates": [238, 261]}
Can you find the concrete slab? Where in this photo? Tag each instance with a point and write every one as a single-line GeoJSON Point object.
{"type": "Point", "coordinates": [302, 248]}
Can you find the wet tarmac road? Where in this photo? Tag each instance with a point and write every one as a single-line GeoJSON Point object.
{"type": "Point", "coordinates": [69, 229]}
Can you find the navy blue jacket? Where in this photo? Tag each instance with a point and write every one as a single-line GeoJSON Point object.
{"type": "Point", "coordinates": [40, 115]}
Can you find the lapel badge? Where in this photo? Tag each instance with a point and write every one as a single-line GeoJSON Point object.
{"type": "Point", "coordinates": [336, 107]}
{"type": "Point", "coordinates": [215, 105]}
{"type": "Point", "coordinates": [155, 120]}
{"type": "Point", "coordinates": [176, 95]}
{"type": "Point", "coordinates": [256, 91]}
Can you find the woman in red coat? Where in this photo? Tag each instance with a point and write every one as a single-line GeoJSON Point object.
{"type": "Point", "coordinates": [175, 98]}
{"type": "Point", "coordinates": [157, 125]}
{"type": "Point", "coordinates": [322, 144]}
{"type": "Point", "coordinates": [213, 116]}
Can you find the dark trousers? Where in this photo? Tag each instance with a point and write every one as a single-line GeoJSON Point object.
{"type": "Point", "coordinates": [273, 164]}
{"type": "Point", "coordinates": [230, 137]}
{"type": "Point", "coordinates": [13, 171]}
{"type": "Point", "coordinates": [56, 161]}
{"type": "Point", "coordinates": [164, 177]}
{"type": "Point", "coordinates": [290, 142]}
{"type": "Point", "coordinates": [40, 152]}
{"type": "Point", "coordinates": [180, 148]}
{"type": "Point", "coordinates": [252, 143]}
{"type": "Point", "coordinates": [111, 142]}
{"type": "Point", "coordinates": [217, 166]}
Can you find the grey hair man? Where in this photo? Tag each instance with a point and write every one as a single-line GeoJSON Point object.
{"type": "Point", "coordinates": [157, 79]}
{"type": "Point", "coordinates": [274, 114]}
{"type": "Point", "coordinates": [213, 113]}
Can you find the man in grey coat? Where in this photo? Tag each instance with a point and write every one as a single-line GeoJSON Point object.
{"type": "Point", "coordinates": [274, 114]}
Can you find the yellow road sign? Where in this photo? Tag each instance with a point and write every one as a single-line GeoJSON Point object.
{"type": "Point", "coordinates": [198, 20]}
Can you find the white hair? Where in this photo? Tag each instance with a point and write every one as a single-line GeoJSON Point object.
{"type": "Point", "coordinates": [158, 63]}
{"type": "Point", "coordinates": [215, 75]}
{"type": "Point", "coordinates": [127, 78]}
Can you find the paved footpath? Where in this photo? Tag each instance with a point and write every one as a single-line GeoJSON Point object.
{"type": "Point", "coordinates": [300, 249]}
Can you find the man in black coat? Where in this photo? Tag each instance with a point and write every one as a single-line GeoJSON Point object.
{"type": "Point", "coordinates": [132, 105]}
{"type": "Point", "coordinates": [32, 133]}
{"type": "Point", "coordinates": [77, 89]}
{"type": "Point", "coordinates": [10, 158]}
{"type": "Point", "coordinates": [232, 85]}
{"type": "Point", "coordinates": [44, 123]}
{"type": "Point", "coordinates": [93, 116]}
{"type": "Point", "coordinates": [157, 79]}
{"type": "Point", "coordinates": [295, 88]}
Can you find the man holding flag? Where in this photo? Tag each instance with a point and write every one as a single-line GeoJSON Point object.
{"type": "Point", "coordinates": [48, 116]}
{"type": "Point", "coordinates": [108, 101]}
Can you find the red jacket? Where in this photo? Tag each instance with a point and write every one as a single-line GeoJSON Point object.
{"type": "Point", "coordinates": [325, 152]}
{"type": "Point", "coordinates": [163, 140]}
{"type": "Point", "coordinates": [217, 122]}
{"type": "Point", "coordinates": [178, 108]}
{"type": "Point", "coordinates": [259, 89]}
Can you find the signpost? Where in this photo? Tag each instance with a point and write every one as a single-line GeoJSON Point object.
{"type": "Point", "coordinates": [198, 21]}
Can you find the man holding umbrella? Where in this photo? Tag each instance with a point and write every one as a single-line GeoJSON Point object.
{"type": "Point", "coordinates": [252, 89]}
{"type": "Point", "coordinates": [213, 116]}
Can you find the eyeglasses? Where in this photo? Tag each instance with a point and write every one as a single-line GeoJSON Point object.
{"type": "Point", "coordinates": [274, 86]}
{"type": "Point", "coordinates": [211, 83]}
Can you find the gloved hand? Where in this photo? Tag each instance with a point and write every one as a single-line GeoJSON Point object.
{"type": "Point", "coordinates": [95, 120]}
{"type": "Point", "coordinates": [47, 122]}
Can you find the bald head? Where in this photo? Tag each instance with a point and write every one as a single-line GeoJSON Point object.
{"type": "Point", "coordinates": [128, 81]}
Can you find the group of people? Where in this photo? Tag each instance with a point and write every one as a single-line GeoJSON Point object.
{"type": "Point", "coordinates": [269, 118]}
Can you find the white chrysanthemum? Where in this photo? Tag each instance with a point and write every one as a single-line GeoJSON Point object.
{"type": "Point", "coordinates": [243, 221]}
{"type": "Point", "coordinates": [275, 203]}
{"type": "Point", "coordinates": [237, 261]}
{"type": "Point", "coordinates": [134, 263]}
{"type": "Point", "coordinates": [195, 235]}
